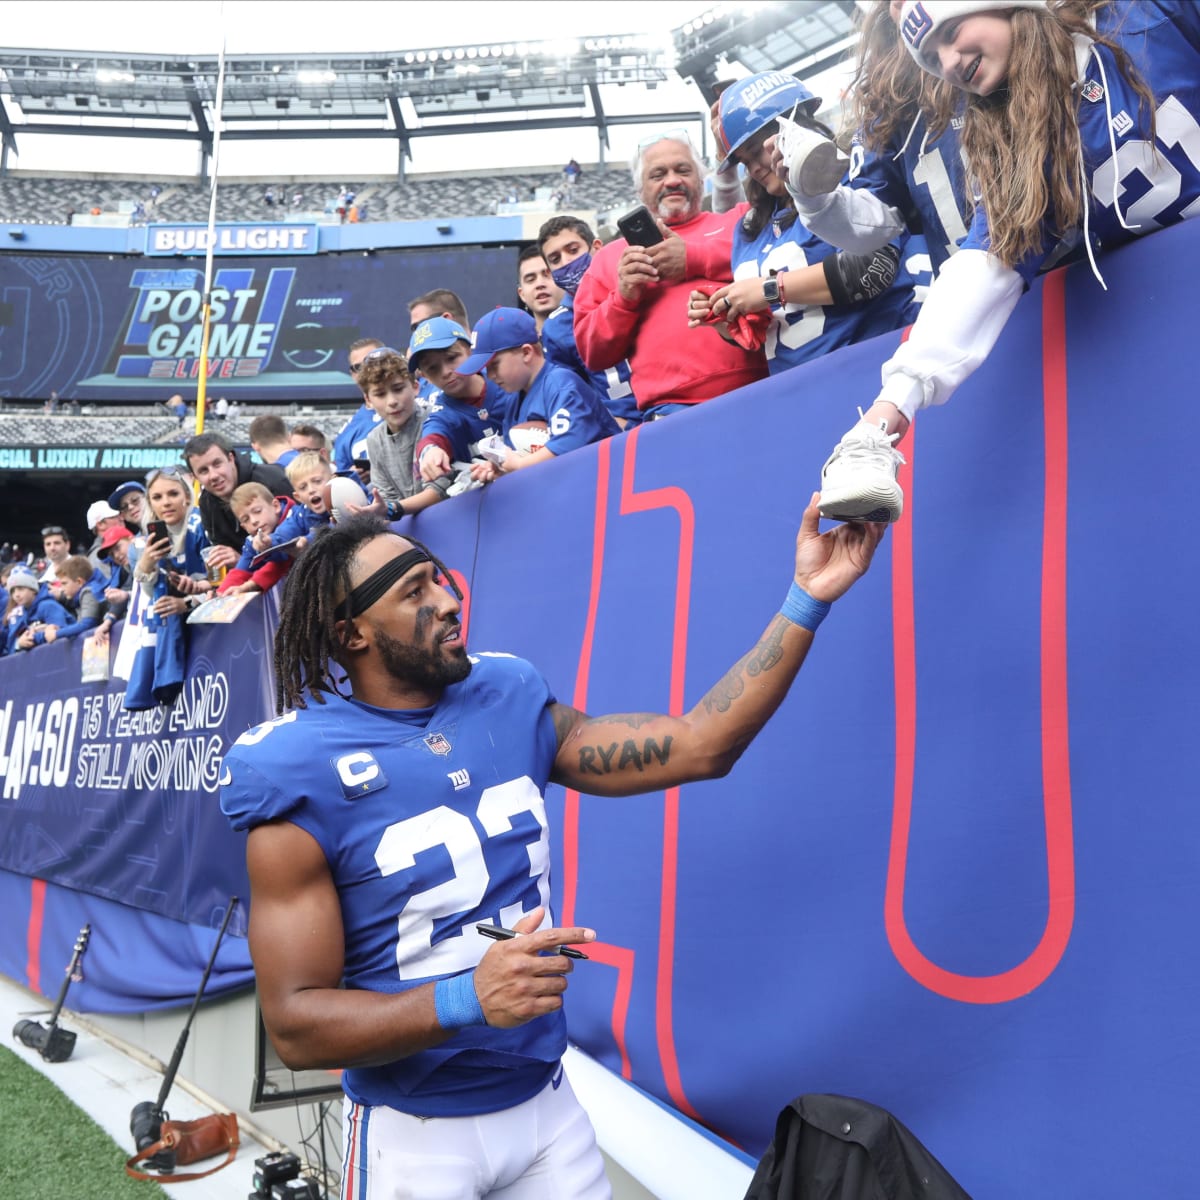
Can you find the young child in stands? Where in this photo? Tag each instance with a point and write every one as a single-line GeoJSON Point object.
{"type": "Point", "coordinates": [308, 473]}
{"type": "Point", "coordinates": [82, 594]}
{"type": "Point", "coordinates": [33, 613]}
{"type": "Point", "coordinates": [462, 409]}
{"type": "Point", "coordinates": [570, 409]}
{"type": "Point", "coordinates": [259, 513]}
{"type": "Point", "coordinates": [392, 445]}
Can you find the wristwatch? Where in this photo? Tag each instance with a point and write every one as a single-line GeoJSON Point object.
{"type": "Point", "coordinates": [771, 291]}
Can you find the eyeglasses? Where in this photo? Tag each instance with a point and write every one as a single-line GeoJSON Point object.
{"type": "Point", "coordinates": [130, 502]}
{"type": "Point", "coordinates": [170, 472]}
{"type": "Point", "coordinates": [54, 531]}
{"type": "Point", "coordinates": [358, 366]}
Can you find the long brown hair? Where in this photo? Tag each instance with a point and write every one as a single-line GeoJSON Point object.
{"type": "Point", "coordinates": [889, 89]}
{"type": "Point", "coordinates": [1022, 142]}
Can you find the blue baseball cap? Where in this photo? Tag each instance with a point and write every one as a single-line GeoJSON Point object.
{"type": "Point", "coordinates": [123, 491]}
{"type": "Point", "coordinates": [437, 333]}
{"type": "Point", "coordinates": [501, 329]}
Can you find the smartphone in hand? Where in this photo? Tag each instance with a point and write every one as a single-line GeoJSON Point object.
{"type": "Point", "coordinates": [157, 530]}
{"type": "Point", "coordinates": [638, 227]}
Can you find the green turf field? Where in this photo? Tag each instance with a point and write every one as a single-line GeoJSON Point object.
{"type": "Point", "coordinates": [52, 1150]}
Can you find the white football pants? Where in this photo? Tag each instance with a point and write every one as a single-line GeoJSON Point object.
{"type": "Point", "coordinates": [544, 1149]}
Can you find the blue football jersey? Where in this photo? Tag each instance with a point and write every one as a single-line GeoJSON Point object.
{"type": "Point", "coordinates": [1151, 184]}
{"type": "Point", "coordinates": [614, 385]}
{"type": "Point", "coordinates": [463, 424]}
{"type": "Point", "coordinates": [351, 441]}
{"type": "Point", "coordinates": [427, 829]}
{"type": "Point", "coordinates": [925, 182]}
{"type": "Point", "coordinates": [571, 407]}
{"type": "Point", "coordinates": [802, 332]}
{"type": "Point", "coordinates": [301, 521]}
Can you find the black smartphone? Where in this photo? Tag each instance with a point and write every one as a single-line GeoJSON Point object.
{"type": "Point", "coordinates": [157, 530]}
{"type": "Point", "coordinates": [638, 227]}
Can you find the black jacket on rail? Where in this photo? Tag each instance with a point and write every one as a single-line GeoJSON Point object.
{"type": "Point", "coordinates": [836, 1148]}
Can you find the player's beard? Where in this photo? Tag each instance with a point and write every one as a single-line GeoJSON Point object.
{"type": "Point", "coordinates": [420, 667]}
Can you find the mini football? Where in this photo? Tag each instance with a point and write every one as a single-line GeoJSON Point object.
{"type": "Point", "coordinates": [339, 492]}
{"type": "Point", "coordinates": [529, 436]}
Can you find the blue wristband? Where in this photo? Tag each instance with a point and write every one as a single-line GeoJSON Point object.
{"type": "Point", "coordinates": [456, 1003]}
{"type": "Point", "coordinates": [802, 609]}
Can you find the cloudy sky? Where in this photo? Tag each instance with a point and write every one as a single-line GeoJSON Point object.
{"type": "Point", "coordinates": [308, 26]}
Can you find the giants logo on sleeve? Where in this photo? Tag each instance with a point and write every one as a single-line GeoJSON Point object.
{"type": "Point", "coordinates": [916, 24]}
{"type": "Point", "coordinates": [358, 773]}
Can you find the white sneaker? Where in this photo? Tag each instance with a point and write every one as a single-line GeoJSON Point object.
{"type": "Point", "coordinates": [858, 482]}
{"type": "Point", "coordinates": [815, 166]}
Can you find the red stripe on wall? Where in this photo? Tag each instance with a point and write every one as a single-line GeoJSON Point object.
{"type": "Point", "coordinates": [633, 502]}
{"type": "Point", "coordinates": [33, 935]}
{"type": "Point", "coordinates": [1056, 768]}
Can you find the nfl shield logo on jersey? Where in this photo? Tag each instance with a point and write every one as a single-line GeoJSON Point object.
{"type": "Point", "coordinates": [1092, 91]}
{"type": "Point", "coordinates": [437, 743]}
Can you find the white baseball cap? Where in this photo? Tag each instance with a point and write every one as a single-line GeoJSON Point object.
{"type": "Point", "coordinates": [920, 18]}
{"type": "Point", "coordinates": [98, 511]}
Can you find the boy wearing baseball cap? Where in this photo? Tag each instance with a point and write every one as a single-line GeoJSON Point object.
{"type": "Point", "coordinates": [464, 410]}
{"type": "Point", "coordinates": [506, 346]}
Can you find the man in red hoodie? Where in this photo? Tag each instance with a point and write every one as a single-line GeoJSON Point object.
{"type": "Point", "coordinates": [632, 301]}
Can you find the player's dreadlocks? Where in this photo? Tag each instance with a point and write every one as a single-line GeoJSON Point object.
{"type": "Point", "coordinates": [307, 637]}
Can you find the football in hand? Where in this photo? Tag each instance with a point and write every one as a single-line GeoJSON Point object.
{"type": "Point", "coordinates": [529, 436]}
{"type": "Point", "coordinates": [340, 491]}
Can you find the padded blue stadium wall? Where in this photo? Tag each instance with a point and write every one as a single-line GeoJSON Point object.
{"type": "Point", "coordinates": [957, 873]}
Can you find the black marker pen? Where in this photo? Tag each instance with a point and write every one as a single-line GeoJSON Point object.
{"type": "Point", "coordinates": [500, 934]}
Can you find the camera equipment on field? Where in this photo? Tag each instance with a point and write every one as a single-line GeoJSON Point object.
{"type": "Point", "coordinates": [53, 1043]}
{"type": "Point", "coordinates": [145, 1122]}
{"type": "Point", "coordinates": [277, 1177]}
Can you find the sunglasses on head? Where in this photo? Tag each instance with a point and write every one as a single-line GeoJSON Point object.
{"type": "Point", "coordinates": [54, 531]}
{"type": "Point", "coordinates": [376, 353]}
{"type": "Point", "coordinates": [671, 135]}
{"type": "Point", "coordinates": [158, 472]}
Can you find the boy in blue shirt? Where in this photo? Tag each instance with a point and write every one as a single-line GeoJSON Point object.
{"type": "Point", "coordinates": [507, 347]}
{"type": "Point", "coordinates": [463, 409]}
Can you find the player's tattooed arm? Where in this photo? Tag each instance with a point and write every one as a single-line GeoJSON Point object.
{"type": "Point", "coordinates": [642, 752]}
{"type": "Point", "coordinates": [623, 753]}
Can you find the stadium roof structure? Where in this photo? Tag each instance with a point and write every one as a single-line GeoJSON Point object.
{"type": "Point", "coordinates": [801, 36]}
{"type": "Point", "coordinates": [431, 92]}
{"type": "Point", "coordinates": [437, 91]}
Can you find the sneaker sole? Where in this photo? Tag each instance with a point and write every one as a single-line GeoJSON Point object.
{"type": "Point", "coordinates": [872, 507]}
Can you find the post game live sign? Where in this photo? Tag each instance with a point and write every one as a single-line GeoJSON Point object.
{"type": "Point", "coordinates": [276, 238]}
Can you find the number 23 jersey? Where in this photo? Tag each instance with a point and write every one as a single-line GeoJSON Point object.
{"type": "Point", "coordinates": [427, 829]}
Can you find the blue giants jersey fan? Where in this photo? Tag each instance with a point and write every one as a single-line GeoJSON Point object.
{"type": "Point", "coordinates": [427, 829]}
{"type": "Point", "coordinates": [1136, 185]}
{"type": "Point", "coordinates": [925, 180]}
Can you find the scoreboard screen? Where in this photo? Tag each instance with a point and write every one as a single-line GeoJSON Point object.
{"type": "Point", "coordinates": [92, 327]}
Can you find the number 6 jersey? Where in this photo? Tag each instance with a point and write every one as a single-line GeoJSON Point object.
{"type": "Point", "coordinates": [430, 822]}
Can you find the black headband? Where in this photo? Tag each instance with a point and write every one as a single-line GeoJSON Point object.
{"type": "Point", "coordinates": [374, 586]}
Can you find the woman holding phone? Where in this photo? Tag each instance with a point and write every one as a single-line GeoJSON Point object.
{"type": "Point", "coordinates": [170, 574]}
